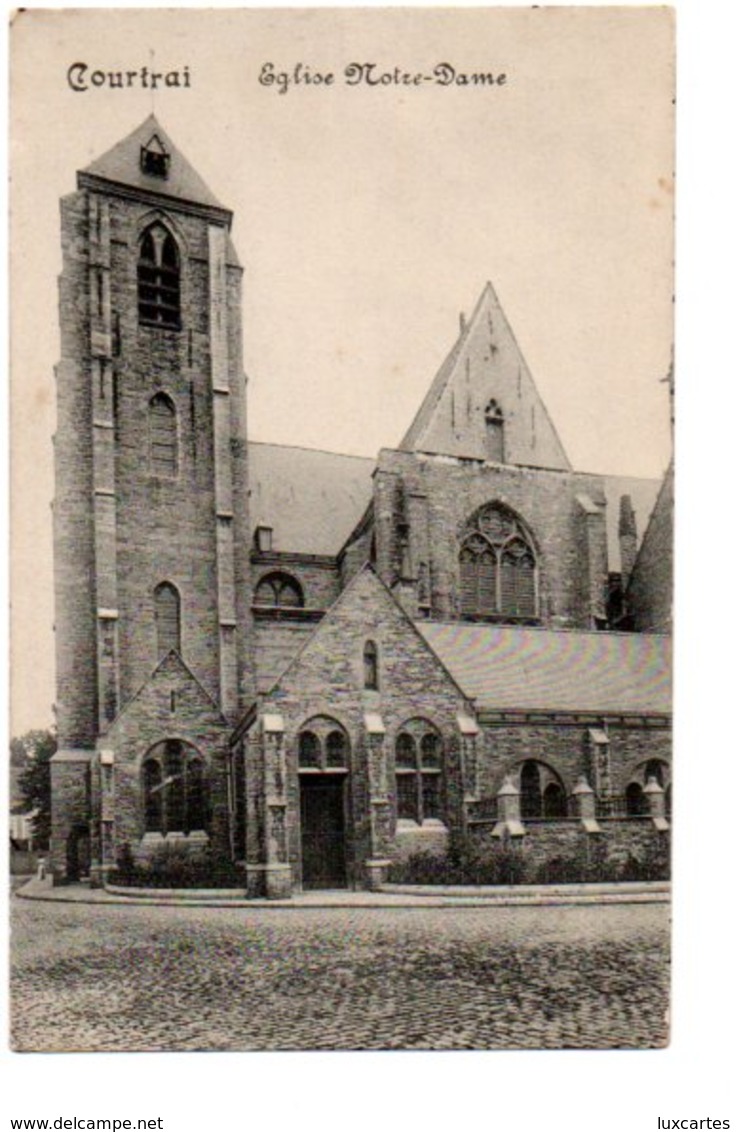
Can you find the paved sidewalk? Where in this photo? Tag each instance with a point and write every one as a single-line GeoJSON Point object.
{"type": "Point", "coordinates": [392, 896]}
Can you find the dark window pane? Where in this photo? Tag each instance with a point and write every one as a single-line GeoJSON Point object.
{"type": "Point", "coordinates": [554, 801]}
{"type": "Point", "coordinates": [406, 796]}
{"type": "Point", "coordinates": [336, 749]}
{"type": "Point", "coordinates": [152, 776]}
{"type": "Point", "coordinates": [531, 799]}
{"type": "Point", "coordinates": [431, 751]}
{"type": "Point", "coordinates": [431, 795]}
{"type": "Point", "coordinates": [635, 801]}
{"type": "Point", "coordinates": [197, 808]}
{"type": "Point", "coordinates": [406, 754]}
{"type": "Point", "coordinates": [309, 751]}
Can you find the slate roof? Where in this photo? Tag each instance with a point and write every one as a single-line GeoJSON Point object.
{"type": "Point", "coordinates": [122, 165]}
{"type": "Point", "coordinates": [311, 499]}
{"type": "Point", "coordinates": [507, 668]}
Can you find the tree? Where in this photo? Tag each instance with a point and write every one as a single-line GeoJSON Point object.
{"type": "Point", "coordinates": [31, 754]}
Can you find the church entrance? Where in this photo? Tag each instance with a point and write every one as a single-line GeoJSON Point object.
{"type": "Point", "coordinates": [78, 853]}
{"type": "Point", "coordinates": [323, 860]}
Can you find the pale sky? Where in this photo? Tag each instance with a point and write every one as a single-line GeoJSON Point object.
{"type": "Point", "coordinates": [366, 219]}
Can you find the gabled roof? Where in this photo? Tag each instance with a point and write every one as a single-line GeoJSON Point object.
{"type": "Point", "coordinates": [122, 165]}
{"type": "Point", "coordinates": [311, 499]}
{"type": "Point", "coordinates": [484, 368]}
{"type": "Point", "coordinates": [507, 668]}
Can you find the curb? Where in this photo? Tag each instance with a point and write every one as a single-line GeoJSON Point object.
{"type": "Point", "coordinates": [401, 897]}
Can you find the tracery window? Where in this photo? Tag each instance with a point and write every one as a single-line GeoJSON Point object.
{"type": "Point", "coordinates": [497, 567]}
{"type": "Point", "coordinates": [163, 436]}
{"type": "Point", "coordinates": [541, 792]}
{"type": "Point", "coordinates": [279, 591]}
{"type": "Point", "coordinates": [167, 618]}
{"type": "Point", "coordinates": [158, 278]}
{"type": "Point", "coordinates": [175, 789]}
{"type": "Point", "coordinates": [418, 771]}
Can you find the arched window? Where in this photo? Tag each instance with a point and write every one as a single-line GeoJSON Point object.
{"type": "Point", "coordinates": [370, 665]}
{"type": "Point", "coordinates": [531, 795]}
{"type": "Point", "coordinates": [167, 618]}
{"type": "Point", "coordinates": [418, 768]}
{"type": "Point", "coordinates": [279, 591]}
{"type": "Point", "coordinates": [336, 749]}
{"type": "Point", "coordinates": [542, 795]}
{"type": "Point", "coordinates": [163, 436]}
{"type": "Point", "coordinates": [175, 789]}
{"type": "Point", "coordinates": [309, 750]}
{"type": "Point", "coordinates": [497, 567]}
{"type": "Point", "coordinates": [494, 445]}
{"type": "Point", "coordinates": [323, 745]}
{"type": "Point", "coordinates": [158, 278]}
{"type": "Point", "coordinates": [636, 805]}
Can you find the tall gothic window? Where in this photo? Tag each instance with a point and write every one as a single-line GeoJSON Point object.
{"type": "Point", "coordinates": [167, 618]}
{"type": "Point", "coordinates": [418, 769]}
{"type": "Point", "coordinates": [175, 789]}
{"type": "Point", "coordinates": [163, 436]}
{"type": "Point", "coordinates": [158, 278]}
{"type": "Point", "coordinates": [494, 445]}
{"type": "Point", "coordinates": [370, 665]}
{"type": "Point", "coordinates": [497, 567]}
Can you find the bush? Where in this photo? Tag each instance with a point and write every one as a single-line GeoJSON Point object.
{"type": "Point", "coordinates": [175, 866]}
{"type": "Point", "coordinates": [467, 866]}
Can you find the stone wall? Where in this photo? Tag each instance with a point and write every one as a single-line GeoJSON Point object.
{"type": "Point", "coordinates": [438, 495]}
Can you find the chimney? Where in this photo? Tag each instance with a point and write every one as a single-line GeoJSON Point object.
{"type": "Point", "coordinates": [628, 538]}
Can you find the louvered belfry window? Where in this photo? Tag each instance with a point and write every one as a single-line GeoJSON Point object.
{"type": "Point", "coordinates": [158, 278]}
{"type": "Point", "coordinates": [497, 567]}
{"type": "Point", "coordinates": [163, 436]}
{"type": "Point", "coordinates": [167, 618]}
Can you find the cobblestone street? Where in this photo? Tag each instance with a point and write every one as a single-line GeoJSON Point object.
{"type": "Point", "coordinates": [120, 978]}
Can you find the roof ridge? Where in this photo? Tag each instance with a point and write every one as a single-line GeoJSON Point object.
{"type": "Point", "coordinates": [306, 448]}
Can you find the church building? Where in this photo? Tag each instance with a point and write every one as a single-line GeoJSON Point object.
{"type": "Point", "coordinates": [316, 665]}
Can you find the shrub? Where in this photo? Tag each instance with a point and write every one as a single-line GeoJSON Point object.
{"type": "Point", "coordinates": [175, 866]}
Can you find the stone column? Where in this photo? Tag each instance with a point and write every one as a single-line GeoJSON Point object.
{"type": "Point", "coordinates": [509, 823]}
{"type": "Point", "coordinates": [271, 877]}
{"type": "Point", "coordinates": [585, 805]}
{"type": "Point", "coordinates": [380, 810]}
{"type": "Point", "coordinates": [656, 803]}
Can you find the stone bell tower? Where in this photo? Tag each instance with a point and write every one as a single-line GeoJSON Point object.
{"type": "Point", "coordinates": [150, 514]}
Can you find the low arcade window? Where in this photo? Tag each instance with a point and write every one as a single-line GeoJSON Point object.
{"type": "Point", "coordinates": [279, 591]}
{"type": "Point", "coordinates": [542, 795]}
